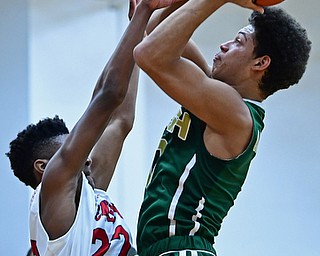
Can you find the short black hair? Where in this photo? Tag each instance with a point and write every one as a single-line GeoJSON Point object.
{"type": "Point", "coordinates": [285, 41]}
{"type": "Point", "coordinates": [34, 142]}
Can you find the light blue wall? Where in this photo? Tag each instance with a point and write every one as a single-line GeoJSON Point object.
{"type": "Point", "coordinates": [61, 53]}
{"type": "Point", "coordinates": [14, 115]}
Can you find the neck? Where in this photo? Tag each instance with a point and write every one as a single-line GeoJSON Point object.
{"type": "Point", "coordinates": [250, 90]}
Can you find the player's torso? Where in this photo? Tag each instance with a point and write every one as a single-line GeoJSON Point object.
{"type": "Point", "coordinates": [98, 229]}
{"type": "Point", "coordinates": [189, 191]}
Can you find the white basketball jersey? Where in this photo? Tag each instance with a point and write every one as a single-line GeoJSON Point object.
{"type": "Point", "coordinates": [98, 229]}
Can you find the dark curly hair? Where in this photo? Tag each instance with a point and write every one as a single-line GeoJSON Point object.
{"type": "Point", "coordinates": [281, 37]}
{"type": "Point", "coordinates": [34, 142]}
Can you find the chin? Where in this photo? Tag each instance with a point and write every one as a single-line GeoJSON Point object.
{"type": "Point", "coordinates": [216, 76]}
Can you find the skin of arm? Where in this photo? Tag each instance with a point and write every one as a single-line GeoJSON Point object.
{"type": "Point", "coordinates": [160, 55]}
{"type": "Point", "coordinates": [60, 181]}
{"type": "Point", "coordinates": [106, 152]}
{"type": "Point", "coordinates": [191, 50]}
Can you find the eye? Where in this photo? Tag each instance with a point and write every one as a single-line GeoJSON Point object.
{"type": "Point", "coordinates": [237, 40]}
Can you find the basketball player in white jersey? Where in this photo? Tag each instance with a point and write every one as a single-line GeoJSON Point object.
{"type": "Point", "coordinates": [70, 212]}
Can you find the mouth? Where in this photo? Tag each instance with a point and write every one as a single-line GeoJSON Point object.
{"type": "Point", "coordinates": [216, 58]}
{"type": "Point", "coordinates": [216, 61]}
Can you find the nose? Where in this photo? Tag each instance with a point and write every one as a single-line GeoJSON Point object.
{"type": "Point", "coordinates": [224, 47]}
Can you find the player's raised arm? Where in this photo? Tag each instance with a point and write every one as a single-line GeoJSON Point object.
{"type": "Point", "coordinates": [191, 50]}
{"type": "Point", "coordinates": [160, 56]}
{"type": "Point", "coordinates": [63, 172]}
{"type": "Point", "coordinates": [106, 152]}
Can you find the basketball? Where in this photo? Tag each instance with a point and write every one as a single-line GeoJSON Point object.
{"type": "Point", "coordinates": [266, 2]}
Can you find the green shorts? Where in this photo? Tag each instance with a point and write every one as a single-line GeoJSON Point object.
{"type": "Point", "coordinates": [180, 246]}
{"type": "Point", "coordinates": [188, 253]}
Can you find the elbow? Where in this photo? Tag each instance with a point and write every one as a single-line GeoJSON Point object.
{"type": "Point", "coordinates": [139, 56]}
{"type": "Point", "coordinates": [152, 59]}
{"type": "Point", "coordinates": [123, 124]}
{"type": "Point", "coordinates": [144, 57]}
{"type": "Point", "coordinates": [127, 120]}
{"type": "Point", "coordinates": [126, 125]}
{"type": "Point", "coordinates": [124, 118]}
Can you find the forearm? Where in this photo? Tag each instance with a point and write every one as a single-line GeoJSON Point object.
{"type": "Point", "coordinates": [109, 93]}
{"type": "Point", "coordinates": [119, 68]}
{"type": "Point", "coordinates": [191, 51]}
{"type": "Point", "coordinates": [159, 15]}
{"type": "Point", "coordinates": [170, 37]}
{"type": "Point", "coordinates": [125, 113]}
{"type": "Point", "coordinates": [107, 150]}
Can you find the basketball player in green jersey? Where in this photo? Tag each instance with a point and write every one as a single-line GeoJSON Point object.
{"type": "Point", "coordinates": [206, 150]}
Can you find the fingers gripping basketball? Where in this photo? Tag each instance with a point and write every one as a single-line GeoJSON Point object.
{"type": "Point", "coordinates": [266, 2]}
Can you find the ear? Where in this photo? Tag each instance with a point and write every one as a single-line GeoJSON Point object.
{"type": "Point", "coordinates": [261, 63]}
{"type": "Point", "coordinates": [39, 165]}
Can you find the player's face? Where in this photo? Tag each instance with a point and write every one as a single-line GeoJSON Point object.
{"type": "Point", "coordinates": [232, 64]}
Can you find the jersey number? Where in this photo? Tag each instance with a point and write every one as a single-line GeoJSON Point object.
{"type": "Point", "coordinates": [100, 234]}
{"type": "Point", "coordinates": [34, 248]}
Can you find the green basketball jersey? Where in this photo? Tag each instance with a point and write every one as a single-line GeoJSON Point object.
{"type": "Point", "coordinates": [189, 191]}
